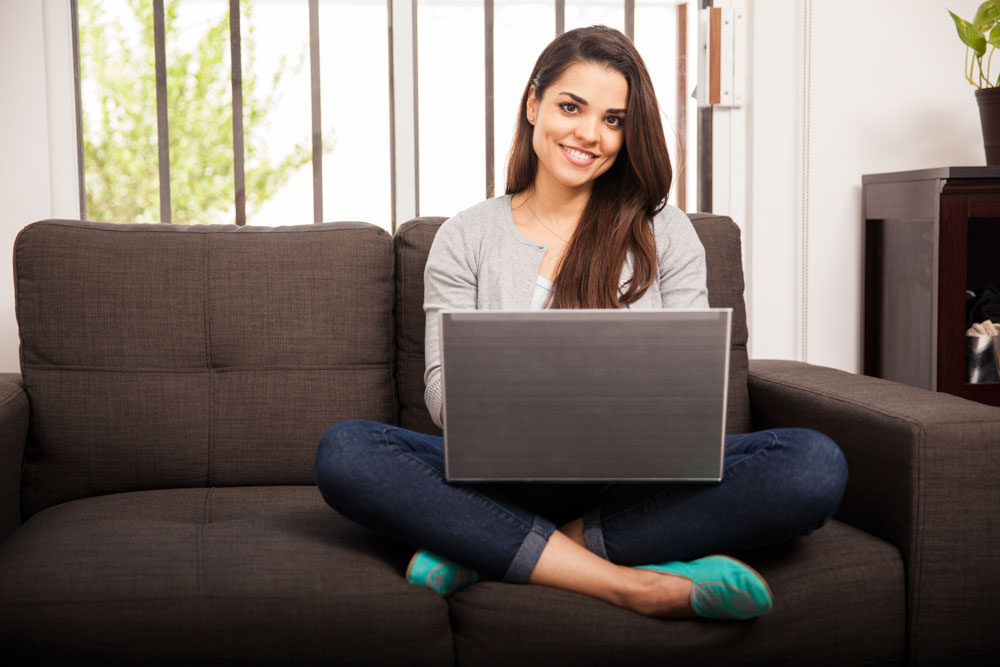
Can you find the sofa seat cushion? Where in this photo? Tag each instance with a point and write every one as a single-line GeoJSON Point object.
{"type": "Point", "coordinates": [252, 575]}
{"type": "Point", "coordinates": [839, 599]}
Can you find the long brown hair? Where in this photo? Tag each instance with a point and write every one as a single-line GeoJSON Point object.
{"type": "Point", "coordinates": [625, 198]}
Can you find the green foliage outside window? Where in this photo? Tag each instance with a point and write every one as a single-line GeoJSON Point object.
{"type": "Point", "coordinates": [119, 119]}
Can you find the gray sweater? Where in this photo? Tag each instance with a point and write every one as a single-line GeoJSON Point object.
{"type": "Point", "coordinates": [480, 260]}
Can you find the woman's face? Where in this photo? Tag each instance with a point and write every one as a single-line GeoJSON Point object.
{"type": "Point", "coordinates": [578, 125]}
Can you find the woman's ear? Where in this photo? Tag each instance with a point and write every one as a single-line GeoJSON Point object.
{"type": "Point", "coordinates": [531, 110]}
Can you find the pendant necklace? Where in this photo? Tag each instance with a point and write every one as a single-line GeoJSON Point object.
{"type": "Point", "coordinates": [542, 222]}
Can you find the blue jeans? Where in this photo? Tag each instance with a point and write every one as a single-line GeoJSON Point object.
{"type": "Point", "coordinates": [777, 485]}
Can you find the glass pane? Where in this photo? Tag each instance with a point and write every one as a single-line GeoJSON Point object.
{"type": "Point", "coordinates": [354, 54]}
{"type": "Point", "coordinates": [118, 99]}
{"type": "Point", "coordinates": [277, 112]}
{"type": "Point", "coordinates": [656, 40]}
{"type": "Point", "coordinates": [582, 13]}
{"type": "Point", "coordinates": [452, 118]}
{"type": "Point", "coordinates": [199, 111]}
{"type": "Point", "coordinates": [522, 30]}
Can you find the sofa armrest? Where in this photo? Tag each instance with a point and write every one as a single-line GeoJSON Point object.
{"type": "Point", "coordinates": [925, 476]}
{"type": "Point", "coordinates": [13, 433]}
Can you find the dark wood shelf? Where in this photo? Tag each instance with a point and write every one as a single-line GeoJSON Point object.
{"type": "Point", "coordinates": [918, 264]}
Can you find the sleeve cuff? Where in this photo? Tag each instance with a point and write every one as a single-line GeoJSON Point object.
{"type": "Point", "coordinates": [432, 397]}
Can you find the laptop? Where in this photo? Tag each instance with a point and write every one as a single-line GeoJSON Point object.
{"type": "Point", "coordinates": [585, 395]}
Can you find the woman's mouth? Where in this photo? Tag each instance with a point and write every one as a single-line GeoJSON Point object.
{"type": "Point", "coordinates": [576, 156]}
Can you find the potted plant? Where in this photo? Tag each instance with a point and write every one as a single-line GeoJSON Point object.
{"type": "Point", "coordinates": [979, 35]}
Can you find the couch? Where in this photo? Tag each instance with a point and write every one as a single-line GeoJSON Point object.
{"type": "Point", "coordinates": [157, 502]}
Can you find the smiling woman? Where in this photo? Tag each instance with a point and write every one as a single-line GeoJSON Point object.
{"type": "Point", "coordinates": [586, 206]}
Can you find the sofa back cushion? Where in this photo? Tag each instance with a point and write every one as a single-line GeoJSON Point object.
{"type": "Point", "coordinates": [159, 356]}
{"type": "Point", "coordinates": [724, 262]}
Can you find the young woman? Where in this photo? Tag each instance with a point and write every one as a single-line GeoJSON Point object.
{"type": "Point", "coordinates": [584, 224]}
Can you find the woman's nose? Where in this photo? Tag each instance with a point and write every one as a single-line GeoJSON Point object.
{"type": "Point", "coordinates": [587, 130]}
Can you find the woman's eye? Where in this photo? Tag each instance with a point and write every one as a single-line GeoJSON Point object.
{"type": "Point", "coordinates": [614, 121]}
{"type": "Point", "coordinates": [568, 107]}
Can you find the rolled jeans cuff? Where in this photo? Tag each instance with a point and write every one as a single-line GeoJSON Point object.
{"type": "Point", "coordinates": [593, 536]}
{"type": "Point", "coordinates": [530, 551]}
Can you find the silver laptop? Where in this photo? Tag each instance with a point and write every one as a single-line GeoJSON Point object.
{"type": "Point", "coordinates": [585, 395]}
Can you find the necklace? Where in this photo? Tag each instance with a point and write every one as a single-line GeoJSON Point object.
{"type": "Point", "coordinates": [542, 222]}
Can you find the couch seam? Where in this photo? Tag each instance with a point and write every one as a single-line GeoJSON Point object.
{"type": "Point", "coordinates": [120, 228]}
{"type": "Point", "coordinates": [13, 397]}
{"type": "Point", "coordinates": [909, 420]}
{"type": "Point", "coordinates": [206, 517]}
{"type": "Point", "coordinates": [402, 364]}
{"type": "Point", "coordinates": [200, 595]}
{"type": "Point", "coordinates": [899, 559]}
{"type": "Point", "coordinates": [231, 369]}
{"type": "Point", "coordinates": [208, 362]}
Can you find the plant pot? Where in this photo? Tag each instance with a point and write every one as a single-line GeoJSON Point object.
{"type": "Point", "coordinates": [989, 116]}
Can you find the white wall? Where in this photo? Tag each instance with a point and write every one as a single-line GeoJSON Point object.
{"type": "Point", "coordinates": [37, 136]}
{"type": "Point", "coordinates": [887, 93]}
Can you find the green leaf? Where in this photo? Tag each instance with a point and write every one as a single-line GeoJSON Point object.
{"type": "Point", "coordinates": [987, 15]}
{"type": "Point", "coordinates": [995, 36]}
{"type": "Point", "coordinates": [973, 38]}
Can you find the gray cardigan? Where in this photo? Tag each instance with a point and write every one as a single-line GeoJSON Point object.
{"type": "Point", "coordinates": [480, 260]}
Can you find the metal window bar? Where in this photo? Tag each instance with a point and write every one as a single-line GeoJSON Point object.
{"type": "Point", "coordinates": [392, 123]}
{"type": "Point", "coordinates": [488, 58]}
{"type": "Point", "coordinates": [316, 102]}
{"type": "Point", "coordinates": [416, 115]}
{"type": "Point", "coordinates": [705, 150]}
{"type": "Point", "coordinates": [317, 115]}
{"type": "Point", "coordinates": [239, 177]}
{"type": "Point", "coordinates": [75, 18]}
{"type": "Point", "coordinates": [162, 133]}
{"type": "Point", "coordinates": [680, 159]}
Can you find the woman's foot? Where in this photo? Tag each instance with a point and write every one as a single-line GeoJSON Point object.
{"type": "Point", "coordinates": [660, 595]}
{"type": "Point", "coordinates": [439, 574]}
{"type": "Point", "coordinates": [720, 587]}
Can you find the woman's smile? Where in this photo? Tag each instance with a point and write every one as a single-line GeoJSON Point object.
{"type": "Point", "coordinates": [577, 156]}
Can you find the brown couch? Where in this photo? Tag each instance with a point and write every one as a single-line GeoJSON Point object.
{"type": "Point", "coordinates": [157, 502]}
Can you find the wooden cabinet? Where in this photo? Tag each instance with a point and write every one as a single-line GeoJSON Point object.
{"type": "Point", "coordinates": [929, 237]}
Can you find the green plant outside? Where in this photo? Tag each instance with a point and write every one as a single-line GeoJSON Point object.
{"type": "Point", "coordinates": [980, 35]}
{"type": "Point", "coordinates": [120, 132]}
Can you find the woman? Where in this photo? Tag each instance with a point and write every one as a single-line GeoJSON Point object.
{"type": "Point", "coordinates": [584, 224]}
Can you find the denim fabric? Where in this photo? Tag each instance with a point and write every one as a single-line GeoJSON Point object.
{"type": "Point", "coordinates": [777, 485]}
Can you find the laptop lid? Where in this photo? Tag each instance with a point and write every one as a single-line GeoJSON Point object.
{"type": "Point", "coordinates": [585, 395]}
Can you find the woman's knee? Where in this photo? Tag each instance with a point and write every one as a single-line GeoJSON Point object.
{"type": "Point", "coordinates": [819, 473]}
{"type": "Point", "coordinates": [338, 450]}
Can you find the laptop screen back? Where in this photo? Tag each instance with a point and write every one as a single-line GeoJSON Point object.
{"type": "Point", "coordinates": [585, 395]}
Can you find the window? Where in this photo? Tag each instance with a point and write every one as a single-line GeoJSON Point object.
{"type": "Point", "coordinates": [281, 112]}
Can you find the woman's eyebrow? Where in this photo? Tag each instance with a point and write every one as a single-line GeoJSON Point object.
{"type": "Point", "coordinates": [583, 102]}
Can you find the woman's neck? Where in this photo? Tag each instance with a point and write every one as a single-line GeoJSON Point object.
{"type": "Point", "coordinates": [556, 204]}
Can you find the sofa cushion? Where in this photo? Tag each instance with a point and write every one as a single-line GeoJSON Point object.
{"type": "Point", "coordinates": [724, 263]}
{"type": "Point", "coordinates": [159, 356]}
{"type": "Point", "coordinates": [839, 599]}
{"type": "Point", "coordinates": [413, 243]}
{"type": "Point", "coordinates": [256, 575]}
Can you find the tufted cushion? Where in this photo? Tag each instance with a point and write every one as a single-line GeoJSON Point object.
{"type": "Point", "coordinates": [223, 576]}
{"type": "Point", "coordinates": [159, 356]}
{"type": "Point", "coordinates": [723, 257]}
